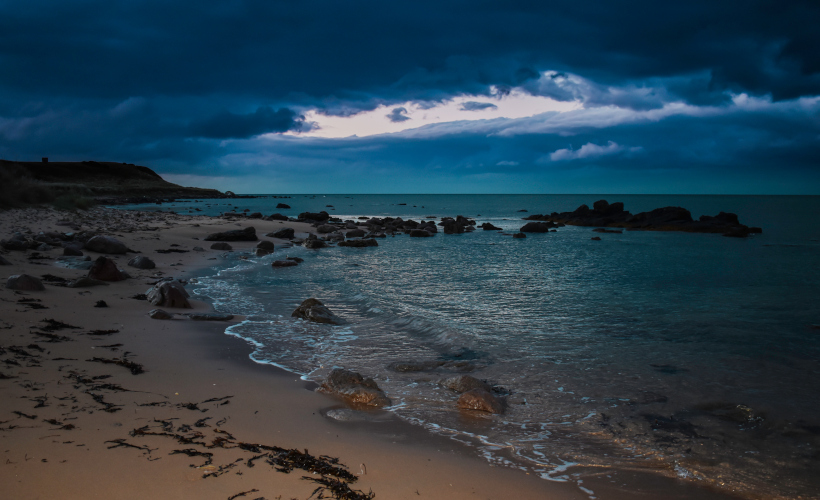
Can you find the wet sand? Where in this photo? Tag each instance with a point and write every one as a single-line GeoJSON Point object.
{"type": "Point", "coordinates": [202, 420]}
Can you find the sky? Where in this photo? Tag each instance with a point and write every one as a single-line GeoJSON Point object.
{"type": "Point", "coordinates": [450, 96]}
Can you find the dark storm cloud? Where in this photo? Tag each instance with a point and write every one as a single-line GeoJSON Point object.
{"type": "Point", "coordinates": [477, 106]}
{"type": "Point", "coordinates": [227, 125]}
{"type": "Point", "coordinates": [398, 115]}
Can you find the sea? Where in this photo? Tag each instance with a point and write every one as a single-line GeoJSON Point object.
{"type": "Point", "coordinates": [694, 356]}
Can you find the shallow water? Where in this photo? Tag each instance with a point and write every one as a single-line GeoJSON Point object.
{"type": "Point", "coordinates": [690, 354]}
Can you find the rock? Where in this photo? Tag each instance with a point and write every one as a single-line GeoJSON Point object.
{"type": "Point", "coordinates": [519, 235]}
{"type": "Point", "coordinates": [420, 233]}
{"type": "Point", "coordinates": [313, 310]}
{"type": "Point", "coordinates": [314, 217]}
{"type": "Point", "coordinates": [141, 262]}
{"type": "Point", "coordinates": [209, 316]}
{"type": "Point", "coordinates": [315, 243]}
{"type": "Point", "coordinates": [359, 243]}
{"type": "Point", "coordinates": [282, 205]}
{"type": "Point", "coordinates": [325, 228]}
{"type": "Point", "coordinates": [296, 259]}
{"type": "Point", "coordinates": [105, 269]}
{"type": "Point", "coordinates": [355, 233]}
{"type": "Point", "coordinates": [265, 245]}
{"type": "Point", "coordinates": [43, 247]}
{"type": "Point", "coordinates": [100, 303]}
{"type": "Point", "coordinates": [596, 238]}
{"type": "Point", "coordinates": [199, 249]}
{"type": "Point", "coordinates": [159, 314]}
{"type": "Point", "coordinates": [72, 251]}
{"type": "Point", "coordinates": [255, 215]}
{"type": "Point", "coordinates": [284, 263]}
{"type": "Point", "coordinates": [221, 246]}
{"type": "Point", "coordinates": [354, 388]}
{"type": "Point", "coordinates": [481, 400]}
{"type": "Point", "coordinates": [464, 383]}
{"type": "Point", "coordinates": [247, 234]}
{"type": "Point", "coordinates": [4, 262]}
{"type": "Point", "coordinates": [489, 227]}
{"type": "Point", "coordinates": [25, 283]}
{"type": "Point", "coordinates": [169, 294]}
{"type": "Point", "coordinates": [537, 227]}
{"type": "Point", "coordinates": [17, 242]}
{"type": "Point", "coordinates": [106, 244]}
{"type": "Point", "coordinates": [86, 282]}
{"type": "Point", "coordinates": [277, 217]}
{"type": "Point", "coordinates": [286, 233]}
{"type": "Point", "coordinates": [610, 231]}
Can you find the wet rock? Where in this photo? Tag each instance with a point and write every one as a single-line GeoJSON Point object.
{"type": "Point", "coordinates": [325, 228]}
{"type": "Point", "coordinates": [286, 233]}
{"type": "Point", "coordinates": [354, 388]}
{"type": "Point", "coordinates": [313, 310]}
{"type": "Point", "coordinates": [160, 314]}
{"type": "Point", "coordinates": [101, 303]}
{"type": "Point", "coordinates": [420, 233]}
{"type": "Point", "coordinates": [277, 217]}
{"type": "Point", "coordinates": [610, 231]}
{"type": "Point", "coordinates": [169, 294]}
{"type": "Point", "coordinates": [519, 235]}
{"type": "Point", "coordinates": [537, 227]}
{"type": "Point", "coordinates": [315, 243]}
{"type": "Point", "coordinates": [314, 217]}
{"type": "Point", "coordinates": [72, 251]}
{"type": "Point", "coordinates": [282, 205]}
{"type": "Point", "coordinates": [25, 283]}
{"type": "Point", "coordinates": [247, 234]}
{"type": "Point", "coordinates": [489, 227]}
{"type": "Point", "coordinates": [480, 400]}
{"type": "Point", "coordinates": [17, 242]}
{"type": "Point", "coordinates": [596, 238]}
{"type": "Point", "coordinates": [86, 282]}
{"type": "Point", "coordinates": [198, 249]}
{"type": "Point", "coordinates": [209, 316]}
{"type": "Point", "coordinates": [106, 244]}
{"type": "Point", "coordinates": [106, 269]}
{"type": "Point", "coordinates": [255, 215]}
{"type": "Point", "coordinates": [141, 262]}
{"type": "Point", "coordinates": [464, 383]}
{"type": "Point", "coordinates": [221, 246]}
{"type": "Point", "coordinates": [296, 259]}
{"type": "Point", "coordinates": [359, 243]}
{"type": "Point", "coordinates": [4, 262]}
{"type": "Point", "coordinates": [284, 263]}
{"type": "Point", "coordinates": [356, 233]}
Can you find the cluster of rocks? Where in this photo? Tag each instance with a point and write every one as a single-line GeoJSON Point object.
{"type": "Point", "coordinates": [603, 214]}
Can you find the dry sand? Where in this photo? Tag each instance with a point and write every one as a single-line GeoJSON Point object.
{"type": "Point", "coordinates": [200, 393]}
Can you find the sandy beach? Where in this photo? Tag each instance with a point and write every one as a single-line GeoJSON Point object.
{"type": "Point", "coordinates": [186, 413]}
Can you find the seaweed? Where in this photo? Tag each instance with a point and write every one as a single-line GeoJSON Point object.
{"type": "Point", "coordinates": [196, 453]}
{"type": "Point", "coordinates": [107, 407]}
{"type": "Point", "coordinates": [113, 347]}
{"type": "Point", "coordinates": [338, 489]}
{"type": "Point", "coordinates": [201, 422]}
{"type": "Point", "coordinates": [172, 250]}
{"type": "Point", "coordinates": [30, 417]}
{"type": "Point", "coordinates": [102, 332]}
{"type": "Point", "coordinates": [54, 421]}
{"type": "Point", "coordinates": [32, 303]}
{"type": "Point", "coordinates": [52, 325]}
{"type": "Point", "coordinates": [135, 368]}
{"type": "Point", "coordinates": [140, 296]}
{"type": "Point", "coordinates": [55, 280]}
{"type": "Point", "coordinates": [232, 497]}
{"type": "Point", "coordinates": [122, 443]}
{"type": "Point", "coordinates": [51, 336]}
{"type": "Point", "coordinates": [3, 376]}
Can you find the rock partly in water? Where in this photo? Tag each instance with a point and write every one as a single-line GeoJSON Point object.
{"type": "Point", "coordinates": [464, 383]}
{"type": "Point", "coordinates": [277, 217]}
{"type": "Point", "coordinates": [284, 263]}
{"type": "Point", "coordinates": [519, 235]}
{"type": "Point", "coordinates": [106, 244]}
{"type": "Point", "coordinates": [209, 316]}
{"type": "Point", "coordinates": [247, 234]}
{"type": "Point", "coordinates": [354, 388]}
{"type": "Point", "coordinates": [265, 245]}
{"type": "Point", "coordinates": [106, 269]}
{"type": "Point", "coordinates": [169, 294]}
{"type": "Point", "coordinates": [481, 400]}
{"type": "Point", "coordinates": [489, 227]}
{"type": "Point", "coordinates": [221, 246]}
{"type": "Point", "coordinates": [315, 243]}
{"type": "Point", "coordinates": [25, 283]}
{"type": "Point", "coordinates": [141, 262]}
{"type": "Point", "coordinates": [420, 233]}
{"type": "Point", "coordinates": [355, 233]}
{"type": "Point", "coordinates": [313, 310]}
{"type": "Point", "coordinates": [359, 243]}
{"type": "Point", "coordinates": [160, 314]}
{"type": "Point", "coordinates": [537, 227]}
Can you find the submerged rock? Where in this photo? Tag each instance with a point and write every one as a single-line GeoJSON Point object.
{"type": "Point", "coordinates": [359, 243]}
{"type": "Point", "coordinates": [106, 269]}
{"type": "Point", "coordinates": [247, 234]}
{"type": "Point", "coordinates": [313, 310]}
{"type": "Point", "coordinates": [284, 263]}
{"type": "Point", "coordinates": [106, 244]}
{"type": "Point", "coordinates": [354, 388]}
{"type": "Point", "coordinates": [25, 282]}
{"type": "Point", "coordinates": [519, 235]}
{"type": "Point", "coordinates": [464, 383]}
{"type": "Point", "coordinates": [169, 294]}
{"type": "Point", "coordinates": [480, 400]}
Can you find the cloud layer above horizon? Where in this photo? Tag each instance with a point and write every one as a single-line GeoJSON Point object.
{"type": "Point", "coordinates": [454, 96]}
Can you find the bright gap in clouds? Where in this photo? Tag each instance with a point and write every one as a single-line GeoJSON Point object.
{"type": "Point", "coordinates": [409, 115]}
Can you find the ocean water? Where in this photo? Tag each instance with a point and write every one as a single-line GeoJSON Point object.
{"type": "Point", "coordinates": [690, 355]}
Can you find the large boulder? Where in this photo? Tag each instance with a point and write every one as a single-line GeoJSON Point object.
{"type": "Point", "coordinates": [286, 233]}
{"type": "Point", "coordinates": [354, 388]}
{"type": "Point", "coordinates": [264, 248]}
{"type": "Point", "coordinates": [247, 234]}
{"type": "Point", "coordinates": [325, 228]}
{"type": "Point", "coordinates": [142, 262]}
{"type": "Point", "coordinates": [169, 294]}
{"type": "Point", "coordinates": [106, 244]}
{"type": "Point", "coordinates": [359, 243]}
{"type": "Point", "coordinates": [464, 383]}
{"type": "Point", "coordinates": [105, 269]}
{"type": "Point", "coordinates": [313, 310]}
{"type": "Point", "coordinates": [25, 283]}
{"type": "Point", "coordinates": [481, 400]}
{"type": "Point", "coordinates": [537, 227]}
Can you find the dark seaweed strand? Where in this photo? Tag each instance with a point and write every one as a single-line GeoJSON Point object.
{"type": "Point", "coordinates": [232, 497]}
{"type": "Point", "coordinates": [135, 368]}
{"type": "Point", "coordinates": [338, 489]}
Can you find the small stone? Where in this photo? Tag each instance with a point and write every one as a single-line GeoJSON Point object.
{"type": "Point", "coordinates": [221, 246]}
{"type": "Point", "coordinates": [480, 400]}
{"type": "Point", "coordinates": [72, 251]}
{"type": "Point", "coordinates": [464, 383]}
{"type": "Point", "coordinates": [141, 262]}
{"type": "Point", "coordinates": [160, 314]}
{"type": "Point", "coordinates": [519, 235]}
{"type": "Point", "coordinates": [284, 263]}
{"type": "Point", "coordinates": [100, 303]}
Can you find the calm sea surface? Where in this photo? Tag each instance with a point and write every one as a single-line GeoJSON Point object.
{"type": "Point", "coordinates": [694, 355]}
